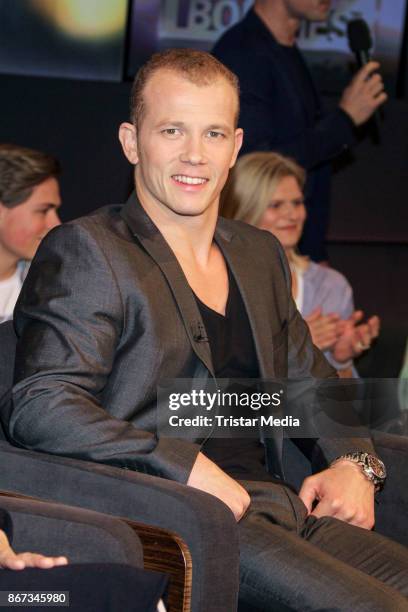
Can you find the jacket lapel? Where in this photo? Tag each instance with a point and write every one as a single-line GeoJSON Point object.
{"type": "Point", "coordinates": [242, 267]}
{"type": "Point", "coordinates": [259, 307]}
{"type": "Point", "coordinates": [250, 286]}
{"type": "Point", "coordinates": [253, 294]}
{"type": "Point", "coordinates": [153, 242]}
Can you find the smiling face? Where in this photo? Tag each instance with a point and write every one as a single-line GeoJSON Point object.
{"type": "Point", "coordinates": [286, 213]}
{"type": "Point", "coordinates": [185, 145]}
{"type": "Point", "coordinates": [22, 227]}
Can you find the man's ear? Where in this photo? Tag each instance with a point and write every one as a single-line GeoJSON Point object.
{"type": "Point", "coordinates": [128, 140]}
{"type": "Point", "coordinates": [239, 136]}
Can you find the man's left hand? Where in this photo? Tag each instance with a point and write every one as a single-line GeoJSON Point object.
{"type": "Point", "coordinates": [341, 491]}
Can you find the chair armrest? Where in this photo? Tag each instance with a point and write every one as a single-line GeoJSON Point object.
{"type": "Point", "coordinates": [201, 521]}
{"type": "Point", "coordinates": [392, 509]}
{"type": "Point", "coordinates": [83, 536]}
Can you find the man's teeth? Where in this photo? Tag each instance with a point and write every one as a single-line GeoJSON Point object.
{"type": "Point", "coordinates": [189, 180]}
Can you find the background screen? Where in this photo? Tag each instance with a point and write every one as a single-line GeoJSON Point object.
{"type": "Point", "coordinates": [156, 25]}
{"type": "Point", "coordinates": [63, 38]}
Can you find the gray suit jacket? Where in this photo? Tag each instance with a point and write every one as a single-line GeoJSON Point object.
{"type": "Point", "coordinates": [106, 313]}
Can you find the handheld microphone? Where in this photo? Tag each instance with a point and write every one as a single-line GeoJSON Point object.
{"type": "Point", "coordinates": [360, 43]}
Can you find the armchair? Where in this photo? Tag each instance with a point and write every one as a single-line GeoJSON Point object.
{"type": "Point", "coordinates": [81, 535]}
{"type": "Point", "coordinates": [186, 533]}
{"type": "Point", "coordinates": [105, 557]}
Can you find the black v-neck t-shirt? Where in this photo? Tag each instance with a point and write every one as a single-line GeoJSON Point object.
{"type": "Point", "coordinates": [230, 337]}
{"type": "Point", "coordinates": [233, 356]}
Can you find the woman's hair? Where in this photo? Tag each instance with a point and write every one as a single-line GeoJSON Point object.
{"type": "Point", "coordinates": [252, 182]}
{"type": "Point", "coordinates": [251, 185]}
{"type": "Point", "coordinates": [21, 170]}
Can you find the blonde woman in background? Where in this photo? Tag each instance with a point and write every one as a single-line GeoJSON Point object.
{"type": "Point", "coordinates": [266, 190]}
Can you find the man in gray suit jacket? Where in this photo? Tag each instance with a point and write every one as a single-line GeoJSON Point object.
{"type": "Point", "coordinates": [114, 303]}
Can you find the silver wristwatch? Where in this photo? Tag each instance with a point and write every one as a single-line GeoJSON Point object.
{"type": "Point", "coordinates": [371, 465]}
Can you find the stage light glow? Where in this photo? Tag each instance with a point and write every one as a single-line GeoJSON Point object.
{"type": "Point", "coordinates": [84, 19]}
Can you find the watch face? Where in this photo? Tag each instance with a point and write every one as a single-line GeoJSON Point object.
{"type": "Point", "coordinates": [376, 466]}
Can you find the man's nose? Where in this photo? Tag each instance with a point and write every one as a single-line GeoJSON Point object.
{"type": "Point", "coordinates": [193, 152]}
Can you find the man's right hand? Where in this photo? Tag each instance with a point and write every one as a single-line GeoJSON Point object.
{"type": "Point", "coordinates": [208, 477]}
{"type": "Point", "coordinates": [364, 94]}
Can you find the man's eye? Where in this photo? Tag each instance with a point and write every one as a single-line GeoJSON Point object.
{"type": "Point", "coordinates": [215, 135]}
{"type": "Point", "coordinates": [171, 131]}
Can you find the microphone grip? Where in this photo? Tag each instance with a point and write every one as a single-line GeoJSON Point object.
{"type": "Point", "coordinates": [363, 57]}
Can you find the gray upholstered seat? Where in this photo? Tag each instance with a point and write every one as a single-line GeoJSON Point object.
{"type": "Point", "coordinates": [180, 527]}
{"type": "Point", "coordinates": [81, 535]}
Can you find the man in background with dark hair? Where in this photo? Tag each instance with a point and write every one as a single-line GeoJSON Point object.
{"type": "Point", "coordinates": [29, 203]}
{"type": "Point", "coordinates": [280, 106]}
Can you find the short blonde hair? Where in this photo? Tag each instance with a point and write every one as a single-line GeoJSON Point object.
{"type": "Point", "coordinates": [198, 67]}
